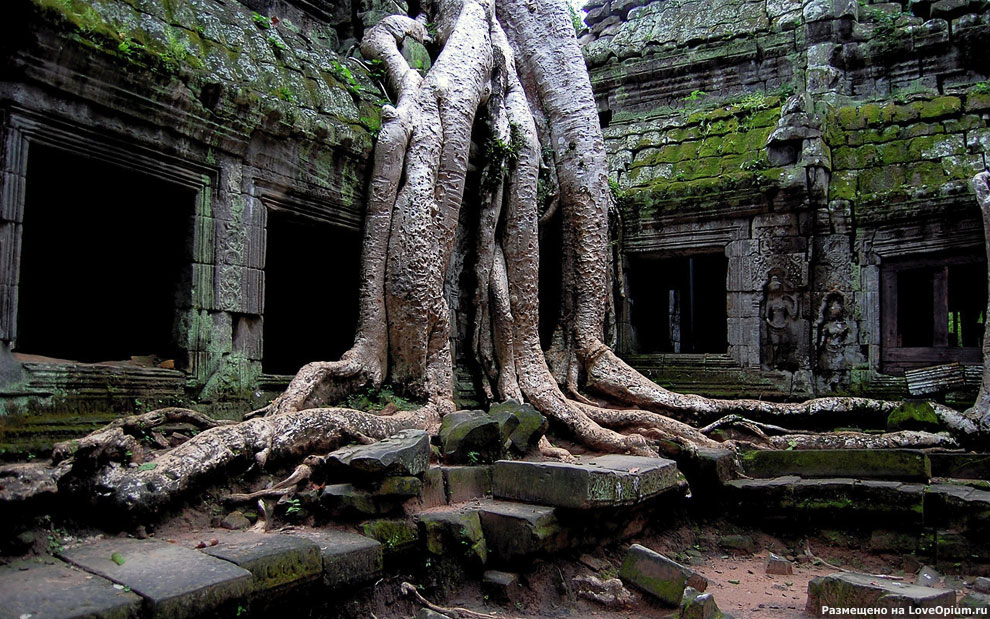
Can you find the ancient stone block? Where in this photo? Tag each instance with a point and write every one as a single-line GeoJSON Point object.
{"type": "Point", "coordinates": [515, 530]}
{"type": "Point", "coordinates": [610, 480]}
{"type": "Point", "coordinates": [697, 605]}
{"type": "Point", "coordinates": [901, 464]}
{"type": "Point", "coordinates": [467, 482]}
{"type": "Point", "coordinates": [526, 423]}
{"type": "Point", "coordinates": [454, 534]}
{"type": "Point", "coordinates": [778, 565]}
{"type": "Point", "coordinates": [349, 559]}
{"type": "Point", "coordinates": [273, 560]}
{"type": "Point", "coordinates": [861, 591]}
{"type": "Point", "coordinates": [50, 588]}
{"type": "Point", "coordinates": [404, 453]}
{"type": "Point", "coordinates": [659, 576]}
{"type": "Point", "coordinates": [470, 437]}
{"type": "Point", "coordinates": [175, 581]}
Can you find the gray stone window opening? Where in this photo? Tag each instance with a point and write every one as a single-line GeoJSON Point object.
{"type": "Point", "coordinates": [677, 304]}
{"type": "Point", "coordinates": [933, 310]}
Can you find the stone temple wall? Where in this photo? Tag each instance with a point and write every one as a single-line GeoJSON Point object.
{"type": "Point", "coordinates": [822, 151]}
{"type": "Point", "coordinates": [244, 111]}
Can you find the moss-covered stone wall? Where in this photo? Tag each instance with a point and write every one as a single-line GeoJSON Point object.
{"type": "Point", "coordinates": [816, 140]}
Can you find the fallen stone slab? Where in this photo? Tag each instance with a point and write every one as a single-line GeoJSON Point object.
{"type": "Point", "coordinates": [467, 482]}
{"type": "Point", "coordinates": [659, 576]}
{"type": "Point", "coordinates": [51, 588]}
{"type": "Point", "coordinates": [860, 591]}
{"type": "Point", "coordinates": [348, 559]}
{"type": "Point", "coordinates": [502, 587]}
{"type": "Point", "coordinates": [778, 565]}
{"type": "Point", "coordinates": [697, 605]}
{"type": "Point", "coordinates": [900, 464]}
{"type": "Point", "coordinates": [927, 577]}
{"type": "Point", "coordinates": [516, 530]}
{"type": "Point", "coordinates": [405, 453]}
{"type": "Point", "coordinates": [470, 437]}
{"type": "Point", "coordinates": [380, 498]}
{"type": "Point", "coordinates": [602, 482]}
{"type": "Point", "coordinates": [273, 560]}
{"type": "Point", "coordinates": [175, 581]}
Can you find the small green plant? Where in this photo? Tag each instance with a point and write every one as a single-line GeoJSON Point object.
{"type": "Point", "coordinates": [241, 610]}
{"type": "Point", "coordinates": [754, 165]}
{"type": "Point", "coordinates": [261, 21]}
{"type": "Point", "coordinates": [980, 88]}
{"type": "Point", "coordinates": [285, 94]}
{"type": "Point", "coordinates": [754, 101]}
{"type": "Point", "coordinates": [696, 95]}
{"type": "Point", "coordinates": [277, 43]}
{"type": "Point", "coordinates": [473, 457]}
{"type": "Point", "coordinates": [295, 506]}
{"type": "Point", "coordinates": [576, 20]}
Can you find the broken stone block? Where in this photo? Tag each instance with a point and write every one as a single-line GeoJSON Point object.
{"type": "Point", "coordinates": [454, 534]}
{"type": "Point", "coordinates": [609, 593]}
{"type": "Point", "coordinates": [697, 605]}
{"type": "Point", "coordinates": [515, 530]}
{"type": "Point", "coordinates": [927, 577]}
{"type": "Point", "coordinates": [778, 565]}
{"type": "Point", "coordinates": [470, 437]}
{"type": "Point", "coordinates": [902, 464]}
{"type": "Point", "coordinates": [602, 482]}
{"type": "Point", "coordinates": [659, 576]}
{"type": "Point", "coordinates": [235, 520]}
{"type": "Point", "coordinates": [467, 482]}
{"type": "Point", "coordinates": [502, 587]}
{"type": "Point", "coordinates": [861, 591]}
{"type": "Point", "coordinates": [521, 424]}
{"type": "Point", "coordinates": [406, 453]}
{"type": "Point", "coordinates": [981, 584]}
{"type": "Point", "coordinates": [273, 560]}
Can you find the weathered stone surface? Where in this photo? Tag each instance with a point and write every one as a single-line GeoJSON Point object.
{"type": "Point", "coordinates": [849, 590]}
{"type": "Point", "coordinates": [426, 613]}
{"type": "Point", "coordinates": [981, 584]}
{"type": "Point", "coordinates": [521, 424]}
{"type": "Point", "coordinates": [470, 437]}
{"type": "Point", "coordinates": [50, 588]}
{"type": "Point", "coordinates": [502, 587]}
{"type": "Point", "coordinates": [235, 520]}
{"type": "Point", "coordinates": [396, 536]}
{"type": "Point", "coordinates": [434, 494]}
{"type": "Point", "coordinates": [609, 480]}
{"type": "Point", "coordinates": [697, 605]}
{"type": "Point", "coordinates": [975, 600]}
{"type": "Point", "coordinates": [273, 560]}
{"type": "Point", "coordinates": [405, 453]}
{"type": "Point", "coordinates": [175, 581]}
{"type": "Point", "coordinates": [659, 576]}
{"type": "Point", "coordinates": [960, 466]}
{"type": "Point", "coordinates": [379, 498]}
{"type": "Point", "coordinates": [467, 482]}
{"type": "Point", "coordinates": [348, 559]}
{"type": "Point", "coordinates": [778, 565]}
{"type": "Point", "coordinates": [454, 534]}
{"type": "Point", "coordinates": [927, 577]}
{"type": "Point", "coordinates": [515, 530]}
{"type": "Point", "coordinates": [905, 464]}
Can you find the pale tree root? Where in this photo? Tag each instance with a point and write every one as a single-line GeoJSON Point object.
{"type": "Point", "coordinates": [135, 491]}
{"type": "Point", "coordinates": [455, 611]}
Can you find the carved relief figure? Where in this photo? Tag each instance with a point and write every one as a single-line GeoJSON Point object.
{"type": "Point", "coordinates": [780, 314]}
{"type": "Point", "coordinates": [832, 333]}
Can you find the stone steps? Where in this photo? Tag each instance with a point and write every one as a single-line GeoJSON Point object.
{"type": "Point", "coordinates": [894, 490]}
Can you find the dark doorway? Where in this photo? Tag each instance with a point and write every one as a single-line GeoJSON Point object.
{"type": "Point", "coordinates": [677, 304]}
{"type": "Point", "coordinates": [105, 260]}
{"type": "Point", "coordinates": [312, 274]}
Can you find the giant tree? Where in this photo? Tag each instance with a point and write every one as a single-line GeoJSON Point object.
{"type": "Point", "coordinates": [510, 71]}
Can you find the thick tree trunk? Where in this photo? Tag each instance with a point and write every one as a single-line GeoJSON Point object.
{"type": "Point", "coordinates": [981, 408]}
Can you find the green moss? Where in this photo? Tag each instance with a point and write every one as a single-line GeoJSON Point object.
{"type": "Point", "coordinates": [913, 415]}
{"type": "Point", "coordinates": [941, 106]}
{"type": "Point", "coordinates": [978, 102]}
{"type": "Point", "coordinates": [393, 534]}
{"type": "Point", "coordinates": [843, 185]}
